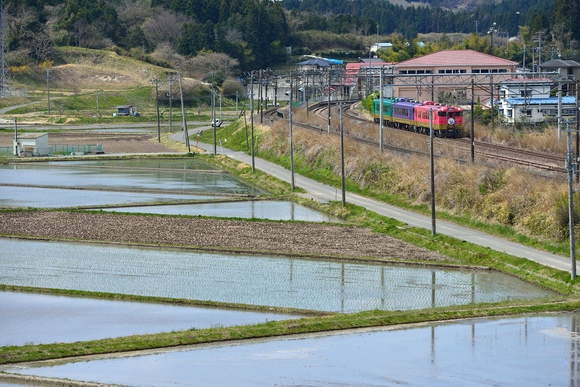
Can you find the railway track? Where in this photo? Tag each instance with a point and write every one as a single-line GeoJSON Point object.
{"type": "Point", "coordinates": [460, 149]}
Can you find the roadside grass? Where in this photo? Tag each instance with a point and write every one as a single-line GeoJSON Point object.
{"type": "Point", "coordinates": [335, 322]}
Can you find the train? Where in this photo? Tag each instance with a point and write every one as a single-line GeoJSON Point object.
{"type": "Point", "coordinates": [411, 115]}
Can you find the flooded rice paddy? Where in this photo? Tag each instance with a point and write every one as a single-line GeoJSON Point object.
{"type": "Point", "coordinates": [250, 279]}
{"type": "Point", "coordinates": [185, 187]}
{"type": "Point", "coordinates": [128, 175]}
{"type": "Point", "coordinates": [525, 351]}
{"type": "Point", "coordinates": [41, 319]}
{"type": "Point", "coordinates": [256, 209]}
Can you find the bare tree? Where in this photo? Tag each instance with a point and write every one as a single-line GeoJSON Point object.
{"type": "Point", "coordinates": [165, 26]}
{"type": "Point", "coordinates": [164, 52]}
{"type": "Point", "coordinates": [212, 67]}
{"type": "Point", "coordinates": [41, 47]}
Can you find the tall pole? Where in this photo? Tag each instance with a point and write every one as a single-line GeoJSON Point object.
{"type": "Point", "coordinates": [4, 67]}
{"type": "Point", "coordinates": [572, 165]}
{"type": "Point", "coordinates": [252, 122]}
{"type": "Point", "coordinates": [433, 232]}
{"type": "Point", "coordinates": [559, 104]}
{"type": "Point", "coordinates": [577, 119]}
{"type": "Point", "coordinates": [260, 107]}
{"type": "Point", "coordinates": [97, 102]}
{"type": "Point", "coordinates": [491, 99]}
{"type": "Point", "coordinates": [213, 123]}
{"type": "Point", "coordinates": [171, 80]}
{"type": "Point", "coordinates": [472, 122]}
{"type": "Point", "coordinates": [328, 101]}
{"type": "Point", "coordinates": [48, 88]}
{"type": "Point", "coordinates": [342, 158]}
{"type": "Point", "coordinates": [184, 121]}
{"type": "Point", "coordinates": [15, 137]}
{"type": "Point", "coordinates": [291, 136]}
{"type": "Point", "coordinates": [381, 119]}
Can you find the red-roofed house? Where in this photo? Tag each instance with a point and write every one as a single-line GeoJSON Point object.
{"type": "Point", "coordinates": [451, 62]}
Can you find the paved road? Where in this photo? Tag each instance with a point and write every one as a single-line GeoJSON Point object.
{"type": "Point", "coordinates": [322, 192]}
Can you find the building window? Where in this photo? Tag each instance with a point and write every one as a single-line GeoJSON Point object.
{"type": "Point", "coordinates": [508, 113]}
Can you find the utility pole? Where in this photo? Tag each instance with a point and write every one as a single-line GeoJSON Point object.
{"type": "Point", "coordinates": [252, 121]}
{"type": "Point", "coordinates": [291, 138]}
{"type": "Point", "coordinates": [328, 101]}
{"type": "Point", "coordinates": [157, 106]}
{"type": "Point", "coordinates": [48, 88]}
{"type": "Point", "coordinates": [472, 122]}
{"type": "Point", "coordinates": [185, 134]}
{"type": "Point", "coordinates": [4, 67]}
{"type": "Point", "coordinates": [559, 104]}
{"type": "Point", "coordinates": [433, 232]}
{"type": "Point", "coordinates": [170, 95]}
{"type": "Point", "coordinates": [342, 158]}
{"type": "Point", "coordinates": [15, 137]}
{"type": "Point", "coordinates": [572, 167]}
{"type": "Point", "coordinates": [97, 102]}
{"type": "Point", "coordinates": [213, 123]}
{"type": "Point", "coordinates": [381, 119]}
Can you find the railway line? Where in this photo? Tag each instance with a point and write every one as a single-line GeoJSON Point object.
{"type": "Point", "coordinates": [459, 149]}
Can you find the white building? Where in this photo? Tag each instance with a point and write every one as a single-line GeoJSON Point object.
{"type": "Point", "coordinates": [33, 144]}
{"type": "Point", "coordinates": [528, 100]}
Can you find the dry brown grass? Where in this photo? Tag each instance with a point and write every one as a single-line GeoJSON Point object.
{"type": "Point", "coordinates": [508, 196]}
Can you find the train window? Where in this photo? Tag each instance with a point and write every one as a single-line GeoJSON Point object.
{"type": "Point", "coordinates": [442, 114]}
{"type": "Point", "coordinates": [458, 114]}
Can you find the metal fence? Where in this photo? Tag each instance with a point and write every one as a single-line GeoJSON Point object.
{"type": "Point", "coordinates": [55, 150]}
{"type": "Point", "coordinates": [76, 149]}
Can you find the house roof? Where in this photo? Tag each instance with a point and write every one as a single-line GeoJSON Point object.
{"type": "Point", "coordinates": [559, 64]}
{"type": "Point", "coordinates": [31, 136]}
{"type": "Point", "coordinates": [541, 101]}
{"type": "Point", "coordinates": [315, 62]}
{"type": "Point", "coordinates": [527, 80]}
{"type": "Point", "coordinates": [456, 58]}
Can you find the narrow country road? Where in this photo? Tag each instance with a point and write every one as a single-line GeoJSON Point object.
{"type": "Point", "coordinates": [322, 192]}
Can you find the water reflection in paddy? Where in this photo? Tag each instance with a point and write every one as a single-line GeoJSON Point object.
{"type": "Point", "coordinates": [526, 351]}
{"type": "Point", "coordinates": [261, 280]}
{"type": "Point", "coordinates": [41, 318]}
{"type": "Point", "coordinates": [58, 197]}
{"type": "Point", "coordinates": [131, 175]}
{"type": "Point", "coordinates": [264, 209]}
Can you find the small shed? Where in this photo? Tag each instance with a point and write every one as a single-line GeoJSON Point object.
{"type": "Point", "coordinates": [126, 110]}
{"type": "Point", "coordinates": [32, 144]}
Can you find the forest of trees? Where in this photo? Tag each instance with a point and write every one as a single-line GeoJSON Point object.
{"type": "Point", "coordinates": [252, 34]}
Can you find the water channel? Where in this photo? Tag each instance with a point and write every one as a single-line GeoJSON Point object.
{"type": "Point", "coordinates": [523, 351]}
{"type": "Point", "coordinates": [250, 279]}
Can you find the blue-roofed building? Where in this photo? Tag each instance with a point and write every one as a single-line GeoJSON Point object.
{"type": "Point", "coordinates": [535, 110]}
{"type": "Point", "coordinates": [529, 100]}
